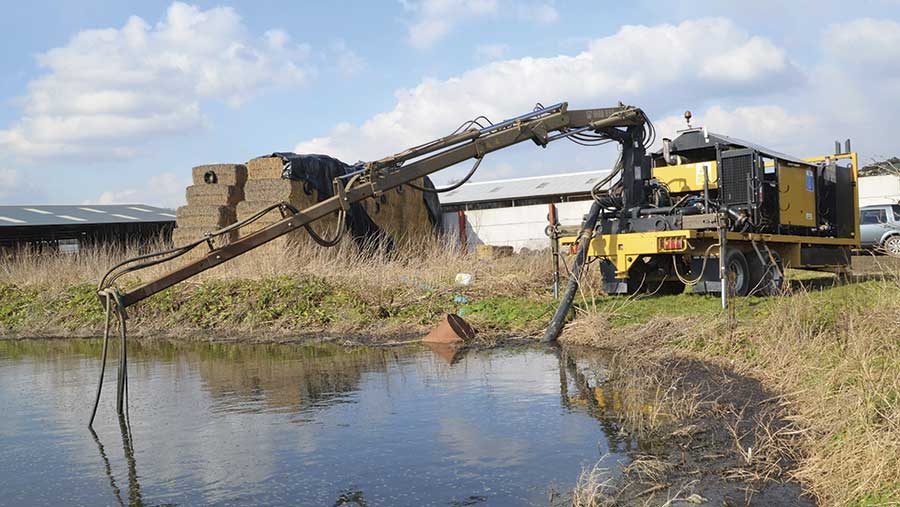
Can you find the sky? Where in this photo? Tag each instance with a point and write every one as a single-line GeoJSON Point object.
{"type": "Point", "coordinates": [106, 101]}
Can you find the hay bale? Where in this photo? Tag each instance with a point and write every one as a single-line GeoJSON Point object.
{"type": "Point", "coordinates": [221, 212]}
{"type": "Point", "coordinates": [488, 252]}
{"type": "Point", "coordinates": [325, 226]}
{"type": "Point", "coordinates": [183, 235]}
{"type": "Point", "coordinates": [289, 242]}
{"type": "Point", "coordinates": [208, 221]}
{"type": "Point", "coordinates": [224, 174]}
{"type": "Point", "coordinates": [276, 190]}
{"type": "Point", "coordinates": [401, 213]}
{"type": "Point", "coordinates": [246, 209]}
{"type": "Point", "coordinates": [204, 216]}
{"type": "Point", "coordinates": [265, 168]}
{"type": "Point", "coordinates": [214, 195]}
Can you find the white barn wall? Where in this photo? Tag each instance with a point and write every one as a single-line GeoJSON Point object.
{"type": "Point", "coordinates": [879, 190]}
{"type": "Point", "coordinates": [519, 227]}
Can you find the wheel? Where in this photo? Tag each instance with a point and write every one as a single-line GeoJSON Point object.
{"type": "Point", "coordinates": [738, 272]}
{"type": "Point", "coordinates": [766, 279]}
{"type": "Point", "coordinates": [891, 246]}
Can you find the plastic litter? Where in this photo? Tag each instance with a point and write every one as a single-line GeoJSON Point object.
{"type": "Point", "coordinates": [463, 279]}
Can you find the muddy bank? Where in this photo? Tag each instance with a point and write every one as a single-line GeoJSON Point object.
{"type": "Point", "coordinates": [704, 435]}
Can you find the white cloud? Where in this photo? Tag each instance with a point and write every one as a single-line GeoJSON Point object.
{"type": "Point", "coordinates": [646, 66]}
{"type": "Point", "coordinates": [543, 13]}
{"type": "Point", "coordinates": [746, 62]}
{"type": "Point", "coordinates": [856, 87]}
{"type": "Point", "coordinates": [768, 125]}
{"type": "Point", "coordinates": [108, 90]}
{"type": "Point", "coordinates": [165, 189]}
{"type": "Point", "coordinates": [433, 19]}
{"type": "Point", "coordinates": [490, 52]}
{"type": "Point", "coordinates": [345, 60]}
{"type": "Point", "coordinates": [867, 46]}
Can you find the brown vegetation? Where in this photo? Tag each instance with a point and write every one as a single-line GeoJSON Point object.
{"type": "Point", "coordinates": [829, 362]}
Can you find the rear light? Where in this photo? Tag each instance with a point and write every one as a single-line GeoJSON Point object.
{"type": "Point", "coordinates": [672, 244]}
{"type": "Point", "coordinates": [573, 248]}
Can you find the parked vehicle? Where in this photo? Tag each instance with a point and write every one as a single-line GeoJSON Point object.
{"type": "Point", "coordinates": [879, 228]}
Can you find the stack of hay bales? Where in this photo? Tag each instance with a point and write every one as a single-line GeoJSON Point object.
{"type": "Point", "coordinates": [401, 213]}
{"type": "Point", "coordinates": [211, 202]}
{"type": "Point", "coordinates": [265, 186]}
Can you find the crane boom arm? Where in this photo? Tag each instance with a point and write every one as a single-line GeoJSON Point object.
{"type": "Point", "coordinates": [541, 126]}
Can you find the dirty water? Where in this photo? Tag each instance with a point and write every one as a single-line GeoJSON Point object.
{"type": "Point", "coordinates": [239, 424]}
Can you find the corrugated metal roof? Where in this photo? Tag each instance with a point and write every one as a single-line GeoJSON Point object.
{"type": "Point", "coordinates": [87, 214]}
{"type": "Point", "coordinates": [522, 188]}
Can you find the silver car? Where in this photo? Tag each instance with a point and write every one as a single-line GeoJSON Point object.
{"type": "Point", "coordinates": [879, 228]}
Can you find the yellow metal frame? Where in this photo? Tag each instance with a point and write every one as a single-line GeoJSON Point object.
{"type": "Point", "coordinates": [854, 167]}
{"type": "Point", "coordinates": [623, 250]}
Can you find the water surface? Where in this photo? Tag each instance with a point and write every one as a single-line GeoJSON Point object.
{"type": "Point", "coordinates": [234, 424]}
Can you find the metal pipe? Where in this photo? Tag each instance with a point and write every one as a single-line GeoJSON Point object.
{"type": "Point", "coordinates": [665, 210]}
{"type": "Point", "coordinates": [723, 269]}
{"type": "Point", "coordinates": [554, 248]}
{"type": "Point", "coordinates": [527, 116]}
{"type": "Point", "coordinates": [706, 187]}
{"type": "Point", "coordinates": [569, 133]}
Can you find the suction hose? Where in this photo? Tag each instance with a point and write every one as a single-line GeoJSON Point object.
{"type": "Point", "coordinates": [565, 304]}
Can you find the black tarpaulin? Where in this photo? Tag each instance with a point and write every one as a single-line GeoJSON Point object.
{"type": "Point", "coordinates": [318, 173]}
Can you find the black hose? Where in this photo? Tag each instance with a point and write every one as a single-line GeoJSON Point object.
{"type": "Point", "coordinates": [102, 362]}
{"type": "Point", "coordinates": [123, 363]}
{"type": "Point", "coordinates": [328, 243]}
{"type": "Point", "coordinates": [453, 186]}
{"type": "Point", "coordinates": [565, 304]}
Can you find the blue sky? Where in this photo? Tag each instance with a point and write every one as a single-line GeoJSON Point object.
{"type": "Point", "coordinates": [107, 101]}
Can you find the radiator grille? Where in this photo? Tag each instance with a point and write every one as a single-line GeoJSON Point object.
{"type": "Point", "coordinates": [734, 173]}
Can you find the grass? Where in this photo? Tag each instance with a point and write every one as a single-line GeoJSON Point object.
{"type": "Point", "coordinates": [832, 358]}
{"type": "Point", "coordinates": [281, 290]}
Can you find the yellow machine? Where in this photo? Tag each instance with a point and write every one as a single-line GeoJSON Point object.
{"type": "Point", "coordinates": [710, 194]}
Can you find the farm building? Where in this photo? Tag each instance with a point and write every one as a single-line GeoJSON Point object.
{"type": "Point", "coordinates": [514, 212]}
{"type": "Point", "coordinates": [68, 228]}
{"type": "Point", "coordinates": [881, 189]}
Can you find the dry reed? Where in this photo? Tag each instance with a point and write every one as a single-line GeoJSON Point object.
{"type": "Point", "coordinates": [833, 359]}
{"type": "Point", "coordinates": [430, 263]}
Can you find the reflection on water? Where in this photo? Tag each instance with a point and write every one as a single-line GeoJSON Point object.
{"type": "Point", "coordinates": [297, 425]}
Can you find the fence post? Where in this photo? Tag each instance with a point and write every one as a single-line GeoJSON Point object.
{"type": "Point", "coordinates": [463, 237]}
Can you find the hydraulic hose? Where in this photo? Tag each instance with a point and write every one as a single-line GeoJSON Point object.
{"type": "Point", "coordinates": [565, 304]}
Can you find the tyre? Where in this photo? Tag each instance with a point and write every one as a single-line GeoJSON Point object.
{"type": "Point", "coordinates": [738, 273]}
{"type": "Point", "coordinates": [765, 279]}
{"type": "Point", "coordinates": [891, 246]}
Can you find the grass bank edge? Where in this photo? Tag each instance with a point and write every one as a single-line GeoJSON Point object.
{"type": "Point", "coordinates": [831, 356]}
{"type": "Point", "coordinates": [281, 304]}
